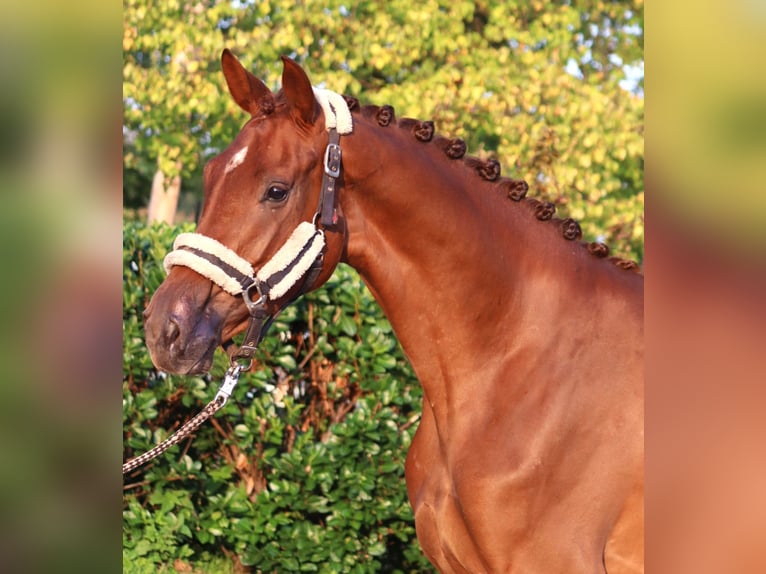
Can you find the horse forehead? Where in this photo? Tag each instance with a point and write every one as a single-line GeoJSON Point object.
{"type": "Point", "coordinates": [236, 159]}
{"type": "Point", "coordinates": [229, 159]}
{"type": "Point", "coordinates": [259, 145]}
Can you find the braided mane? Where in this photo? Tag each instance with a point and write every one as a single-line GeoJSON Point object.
{"type": "Point", "coordinates": [488, 170]}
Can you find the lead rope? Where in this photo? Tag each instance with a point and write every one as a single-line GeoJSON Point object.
{"type": "Point", "coordinates": [230, 380]}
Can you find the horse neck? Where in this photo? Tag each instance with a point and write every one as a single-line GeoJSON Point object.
{"type": "Point", "coordinates": [448, 256]}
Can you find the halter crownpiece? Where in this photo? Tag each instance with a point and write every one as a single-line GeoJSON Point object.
{"type": "Point", "coordinates": [298, 259]}
{"type": "Point", "coordinates": [336, 112]}
{"type": "Point", "coordinates": [337, 121]}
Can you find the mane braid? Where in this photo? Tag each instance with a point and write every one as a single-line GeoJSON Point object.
{"type": "Point", "coordinates": [454, 148]}
{"type": "Point", "coordinates": [570, 229]}
{"type": "Point", "coordinates": [352, 103]}
{"type": "Point", "coordinates": [489, 170]}
{"type": "Point", "coordinates": [598, 249]}
{"type": "Point", "coordinates": [266, 104]}
{"type": "Point", "coordinates": [423, 131]}
{"type": "Point", "coordinates": [383, 115]}
{"type": "Point", "coordinates": [516, 189]}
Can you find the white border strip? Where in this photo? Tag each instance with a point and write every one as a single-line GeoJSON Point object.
{"type": "Point", "coordinates": [204, 268]}
{"type": "Point", "coordinates": [288, 252]}
{"type": "Point", "coordinates": [301, 267]}
{"type": "Point", "coordinates": [304, 235]}
{"type": "Point", "coordinates": [210, 245]}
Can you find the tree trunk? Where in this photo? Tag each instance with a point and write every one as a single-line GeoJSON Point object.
{"type": "Point", "coordinates": [164, 198]}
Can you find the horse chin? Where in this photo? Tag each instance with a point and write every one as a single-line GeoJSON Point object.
{"type": "Point", "coordinates": [195, 359]}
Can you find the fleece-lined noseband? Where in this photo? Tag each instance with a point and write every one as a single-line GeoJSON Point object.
{"type": "Point", "coordinates": [298, 260]}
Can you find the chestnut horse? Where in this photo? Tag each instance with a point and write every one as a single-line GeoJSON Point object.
{"type": "Point", "coordinates": [527, 341]}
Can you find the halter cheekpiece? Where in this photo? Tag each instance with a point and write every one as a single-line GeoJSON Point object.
{"type": "Point", "coordinates": [298, 261]}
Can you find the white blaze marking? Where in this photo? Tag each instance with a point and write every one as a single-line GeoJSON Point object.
{"type": "Point", "coordinates": [235, 160]}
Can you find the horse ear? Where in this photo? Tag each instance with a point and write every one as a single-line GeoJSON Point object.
{"type": "Point", "coordinates": [298, 90]}
{"type": "Point", "coordinates": [247, 90]}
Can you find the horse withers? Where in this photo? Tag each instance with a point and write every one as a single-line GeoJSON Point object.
{"type": "Point", "coordinates": [528, 342]}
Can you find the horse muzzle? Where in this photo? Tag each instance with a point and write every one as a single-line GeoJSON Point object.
{"type": "Point", "coordinates": [182, 332]}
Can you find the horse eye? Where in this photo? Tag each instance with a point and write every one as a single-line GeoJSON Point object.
{"type": "Point", "coordinates": [276, 193]}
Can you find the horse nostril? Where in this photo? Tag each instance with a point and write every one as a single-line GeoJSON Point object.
{"type": "Point", "coordinates": [172, 330]}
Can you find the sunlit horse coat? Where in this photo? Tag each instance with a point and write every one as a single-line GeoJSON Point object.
{"type": "Point", "coordinates": [528, 342]}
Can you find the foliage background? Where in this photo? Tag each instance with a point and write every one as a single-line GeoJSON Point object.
{"type": "Point", "coordinates": [318, 482]}
{"type": "Point", "coordinates": [302, 470]}
{"type": "Point", "coordinates": [541, 86]}
{"type": "Point", "coordinates": [60, 84]}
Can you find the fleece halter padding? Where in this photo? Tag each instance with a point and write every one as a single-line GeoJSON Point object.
{"type": "Point", "coordinates": [199, 252]}
{"type": "Point", "coordinates": [233, 274]}
{"type": "Point", "coordinates": [336, 112]}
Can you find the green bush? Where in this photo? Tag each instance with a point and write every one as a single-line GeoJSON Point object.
{"type": "Point", "coordinates": [303, 470]}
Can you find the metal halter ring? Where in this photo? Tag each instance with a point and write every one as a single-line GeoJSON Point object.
{"type": "Point", "coordinates": [234, 363]}
{"type": "Point", "coordinates": [253, 305]}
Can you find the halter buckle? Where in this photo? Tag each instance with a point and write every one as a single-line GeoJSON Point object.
{"type": "Point", "coordinates": [332, 157]}
{"type": "Point", "coordinates": [253, 306]}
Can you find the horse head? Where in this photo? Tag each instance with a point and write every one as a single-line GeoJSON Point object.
{"type": "Point", "coordinates": [262, 234]}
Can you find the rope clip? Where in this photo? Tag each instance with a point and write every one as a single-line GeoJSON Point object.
{"type": "Point", "coordinates": [230, 381]}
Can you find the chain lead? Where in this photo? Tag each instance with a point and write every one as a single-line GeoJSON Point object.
{"type": "Point", "coordinates": [230, 380]}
